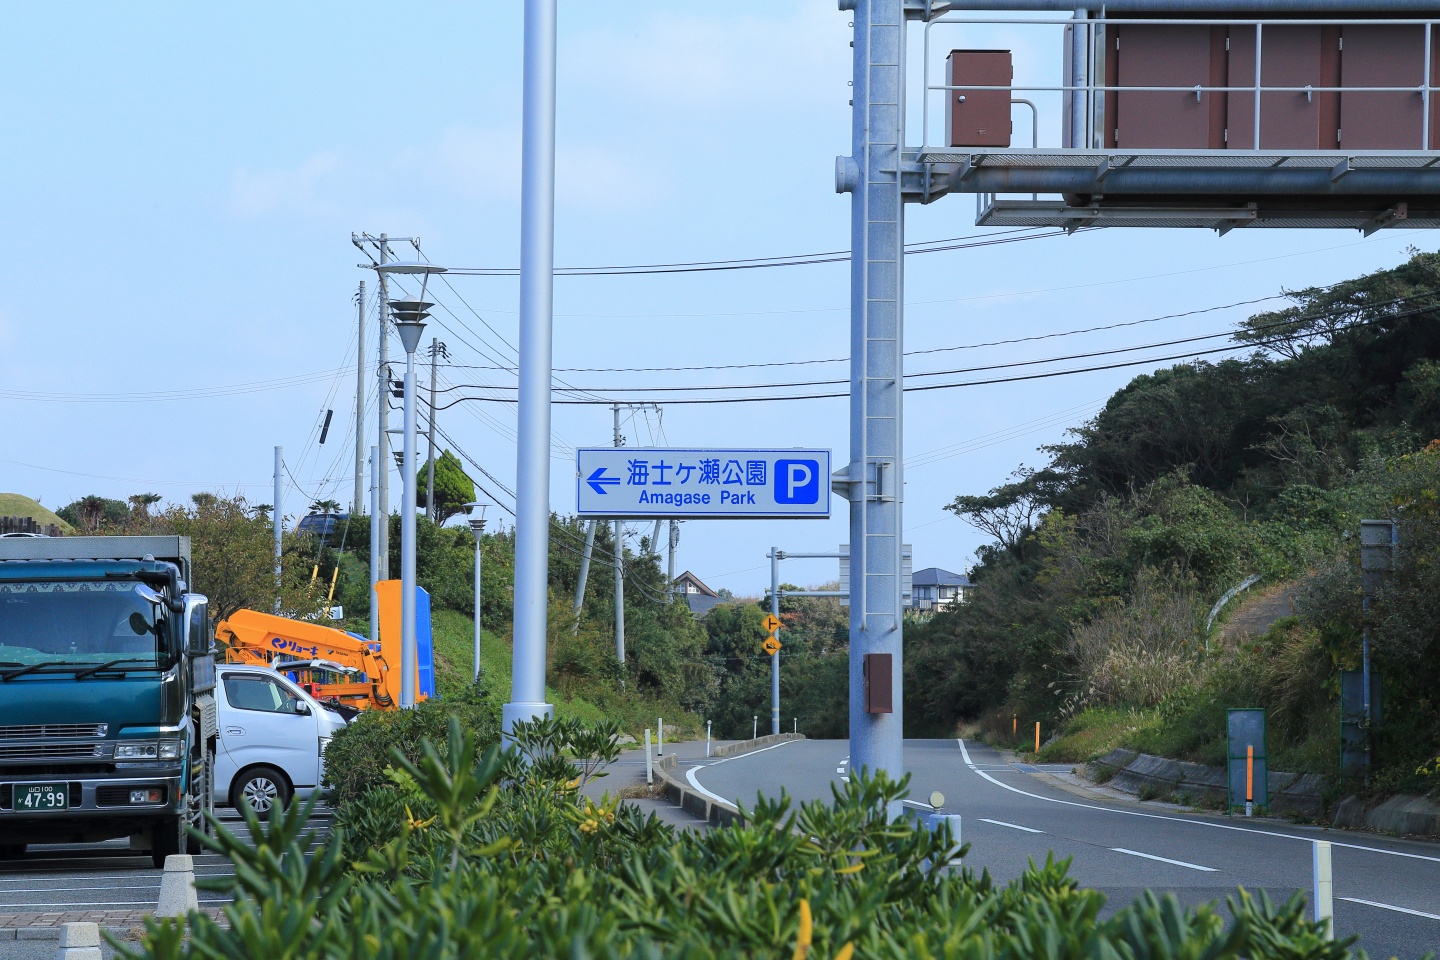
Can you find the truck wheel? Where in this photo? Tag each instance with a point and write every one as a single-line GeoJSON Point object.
{"type": "Point", "coordinates": [261, 789]}
{"type": "Point", "coordinates": [168, 840]}
{"type": "Point", "coordinates": [11, 851]}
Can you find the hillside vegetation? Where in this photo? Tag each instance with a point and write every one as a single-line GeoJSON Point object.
{"type": "Point", "coordinates": [18, 505]}
{"type": "Point", "coordinates": [1090, 603]}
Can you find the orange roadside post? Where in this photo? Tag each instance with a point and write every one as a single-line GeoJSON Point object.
{"type": "Point", "coordinates": [1014, 725]}
{"type": "Point", "coordinates": [1037, 736]}
{"type": "Point", "coordinates": [1249, 779]}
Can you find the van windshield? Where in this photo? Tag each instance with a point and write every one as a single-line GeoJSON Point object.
{"type": "Point", "coordinates": [44, 621]}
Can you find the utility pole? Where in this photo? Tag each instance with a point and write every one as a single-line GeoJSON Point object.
{"type": "Point", "coordinates": [655, 539]}
{"type": "Point", "coordinates": [357, 506]}
{"type": "Point", "coordinates": [674, 539]}
{"type": "Point", "coordinates": [619, 563]}
{"type": "Point", "coordinates": [775, 556]}
{"type": "Point", "coordinates": [382, 515]}
{"type": "Point", "coordinates": [437, 350]}
{"type": "Point", "coordinates": [584, 572]}
{"type": "Point", "coordinates": [277, 516]}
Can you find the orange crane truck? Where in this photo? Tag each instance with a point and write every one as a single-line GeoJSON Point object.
{"type": "Point", "coordinates": [329, 664]}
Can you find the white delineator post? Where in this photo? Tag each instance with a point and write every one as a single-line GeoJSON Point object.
{"type": "Point", "coordinates": [1322, 897]}
{"type": "Point", "coordinates": [649, 769]}
{"type": "Point", "coordinates": [537, 267]}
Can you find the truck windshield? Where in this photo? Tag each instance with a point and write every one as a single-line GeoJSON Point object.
{"type": "Point", "coordinates": [80, 623]}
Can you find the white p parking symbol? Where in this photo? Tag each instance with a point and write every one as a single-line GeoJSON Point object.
{"type": "Point", "coordinates": [797, 475]}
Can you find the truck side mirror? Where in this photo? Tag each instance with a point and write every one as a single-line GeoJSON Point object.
{"type": "Point", "coordinates": [199, 635]}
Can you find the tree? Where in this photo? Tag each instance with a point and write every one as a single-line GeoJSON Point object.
{"type": "Point", "coordinates": [233, 556]}
{"type": "Point", "coordinates": [325, 506]}
{"type": "Point", "coordinates": [453, 488]}
{"type": "Point", "coordinates": [140, 503]}
{"type": "Point", "coordinates": [90, 513]}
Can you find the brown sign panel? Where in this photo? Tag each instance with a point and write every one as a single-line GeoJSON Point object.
{"type": "Point", "coordinates": [1164, 56]}
{"type": "Point", "coordinates": [879, 688]}
{"type": "Point", "coordinates": [978, 118]}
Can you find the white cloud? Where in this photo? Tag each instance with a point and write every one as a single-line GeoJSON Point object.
{"type": "Point", "coordinates": [259, 193]}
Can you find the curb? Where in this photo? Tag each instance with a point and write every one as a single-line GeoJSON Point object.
{"type": "Point", "coordinates": [718, 813]}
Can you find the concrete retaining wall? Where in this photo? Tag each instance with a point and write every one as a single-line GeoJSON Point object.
{"type": "Point", "coordinates": [679, 792]}
{"type": "Point", "coordinates": [1397, 814]}
{"type": "Point", "coordinates": [1156, 778]}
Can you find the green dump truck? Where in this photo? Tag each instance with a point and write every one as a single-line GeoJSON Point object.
{"type": "Point", "coordinates": [107, 709]}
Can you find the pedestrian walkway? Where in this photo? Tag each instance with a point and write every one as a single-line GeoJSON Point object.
{"type": "Point", "coordinates": [627, 774]}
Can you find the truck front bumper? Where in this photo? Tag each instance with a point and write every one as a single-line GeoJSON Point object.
{"type": "Point", "coordinates": [101, 797]}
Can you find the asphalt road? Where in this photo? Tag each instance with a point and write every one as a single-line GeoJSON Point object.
{"type": "Point", "coordinates": [1387, 891]}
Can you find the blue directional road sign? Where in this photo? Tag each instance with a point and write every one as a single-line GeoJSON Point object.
{"type": "Point", "coordinates": [636, 482]}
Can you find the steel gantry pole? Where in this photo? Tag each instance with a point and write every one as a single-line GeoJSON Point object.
{"type": "Point", "coordinates": [872, 481]}
{"type": "Point", "coordinates": [775, 657]}
{"type": "Point", "coordinates": [537, 268]}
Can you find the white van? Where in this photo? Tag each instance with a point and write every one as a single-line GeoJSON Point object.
{"type": "Point", "coordinates": [272, 738]}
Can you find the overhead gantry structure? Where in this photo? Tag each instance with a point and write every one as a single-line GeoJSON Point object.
{"type": "Point", "coordinates": [1218, 114]}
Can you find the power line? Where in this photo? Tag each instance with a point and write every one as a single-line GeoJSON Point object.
{"type": "Point", "coordinates": [761, 263]}
{"type": "Point", "coordinates": [908, 353]}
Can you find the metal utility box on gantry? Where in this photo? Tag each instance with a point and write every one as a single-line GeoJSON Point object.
{"type": "Point", "coordinates": [1169, 113]}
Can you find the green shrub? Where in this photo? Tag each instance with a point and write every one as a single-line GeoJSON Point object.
{"type": "Point", "coordinates": [507, 861]}
{"type": "Point", "coordinates": [359, 756]}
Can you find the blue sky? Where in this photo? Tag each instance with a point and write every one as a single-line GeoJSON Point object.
{"type": "Point", "coordinates": [181, 182]}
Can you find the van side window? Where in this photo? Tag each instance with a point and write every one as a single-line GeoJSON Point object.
{"type": "Point", "coordinates": [258, 693]}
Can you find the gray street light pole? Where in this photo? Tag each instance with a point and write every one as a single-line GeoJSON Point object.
{"type": "Point", "coordinates": [477, 527]}
{"type": "Point", "coordinates": [278, 516]}
{"type": "Point", "coordinates": [537, 270]}
{"type": "Point", "coordinates": [775, 556]}
{"type": "Point", "coordinates": [410, 317]}
{"type": "Point", "coordinates": [375, 519]}
{"type": "Point", "coordinates": [382, 405]}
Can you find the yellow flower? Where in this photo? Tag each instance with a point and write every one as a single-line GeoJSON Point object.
{"type": "Point", "coordinates": [572, 784]}
{"type": "Point", "coordinates": [416, 824]}
{"type": "Point", "coordinates": [846, 952]}
{"type": "Point", "coordinates": [802, 940]}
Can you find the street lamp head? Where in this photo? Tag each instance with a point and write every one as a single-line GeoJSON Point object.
{"type": "Point", "coordinates": [409, 268]}
{"type": "Point", "coordinates": [410, 317]}
{"type": "Point", "coordinates": [476, 511]}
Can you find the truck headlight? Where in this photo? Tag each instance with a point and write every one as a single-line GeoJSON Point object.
{"type": "Point", "coordinates": [150, 750]}
{"type": "Point", "coordinates": [138, 750]}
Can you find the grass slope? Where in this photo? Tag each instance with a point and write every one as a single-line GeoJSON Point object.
{"type": "Point", "coordinates": [18, 505]}
{"type": "Point", "coordinates": [454, 658]}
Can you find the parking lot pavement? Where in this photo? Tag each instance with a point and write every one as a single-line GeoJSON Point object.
{"type": "Point", "coordinates": [105, 883]}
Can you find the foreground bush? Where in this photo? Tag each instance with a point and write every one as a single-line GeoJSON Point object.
{"type": "Point", "coordinates": [357, 759]}
{"type": "Point", "coordinates": [488, 857]}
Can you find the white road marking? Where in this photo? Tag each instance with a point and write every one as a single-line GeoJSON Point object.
{"type": "Point", "coordinates": [1386, 906]}
{"type": "Point", "coordinates": [1194, 823]}
{"type": "Point", "coordinates": [690, 774]}
{"type": "Point", "coordinates": [1012, 826]}
{"type": "Point", "coordinates": [1177, 863]}
{"type": "Point", "coordinates": [91, 905]}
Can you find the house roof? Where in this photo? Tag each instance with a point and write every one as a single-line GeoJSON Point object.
{"type": "Point", "coordinates": [701, 603]}
{"type": "Point", "coordinates": [936, 577]}
{"type": "Point", "coordinates": [688, 577]}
